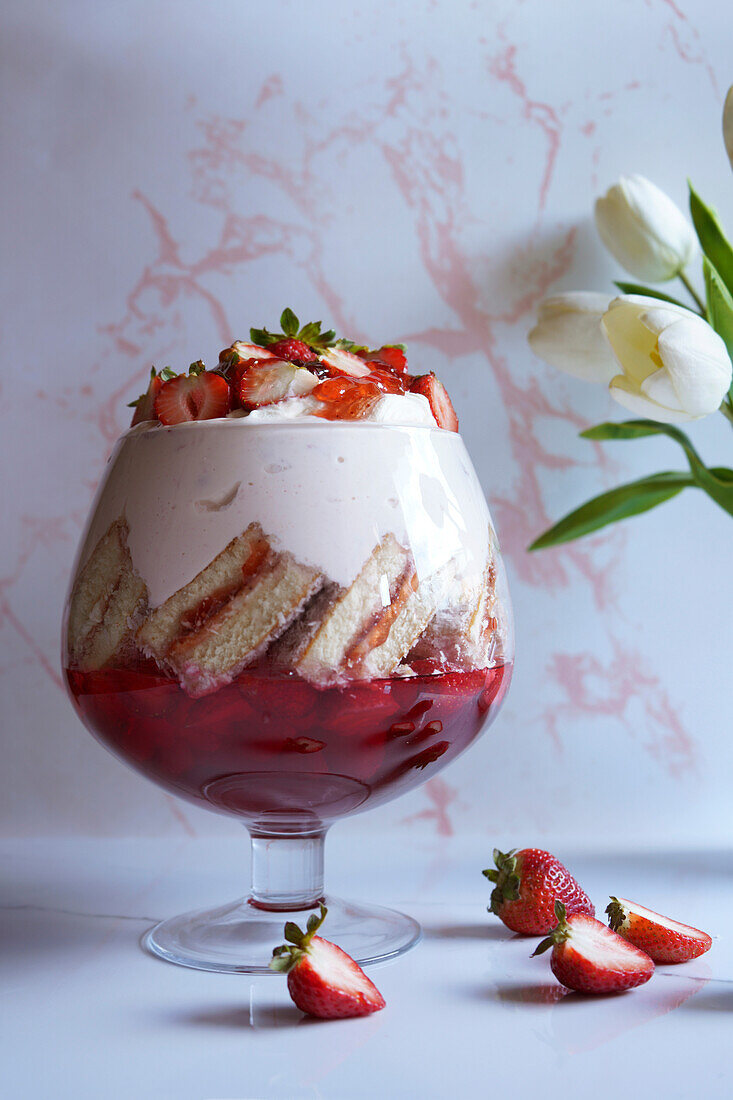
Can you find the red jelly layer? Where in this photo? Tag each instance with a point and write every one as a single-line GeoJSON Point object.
{"type": "Point", "coordinates": [275, 750]}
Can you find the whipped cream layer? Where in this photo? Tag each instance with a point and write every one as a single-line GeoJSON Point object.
{"type": "Point", "coordinates": [326, 491]}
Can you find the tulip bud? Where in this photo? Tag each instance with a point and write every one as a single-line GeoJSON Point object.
{"type": "Point", "coordinates": [728, 125]}
{"type": "Point", "coordinates": [674, 366]}
{"type": "Point", "coordinates": [568, 335]}
{"type": "Point", "coordinates": [644, 230]}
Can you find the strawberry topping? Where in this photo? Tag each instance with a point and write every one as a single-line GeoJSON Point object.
{"type": "Point", "coordinates": [264, 383]}
{"type": "Point", "coordinates": [346, 398]}
{"type": "Point", "coordinates": [294, 350]}
{"type": "Point", "coordinates": [393, 356]}
{"type": "Point", "coordinates": [201, 395]}
{"type": "Point", "coordinates": [345, 362]}
{"type": "Point", "coordinates": [145, 404]}
{"type": "Point", "coordinates": [441, 405]}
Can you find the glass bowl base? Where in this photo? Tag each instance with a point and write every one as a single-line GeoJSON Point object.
{"type": "Point", "coordinates": [238, 938]}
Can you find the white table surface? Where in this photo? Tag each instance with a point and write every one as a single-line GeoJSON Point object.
{"type": "Point", "coordinates": [87, 1014]}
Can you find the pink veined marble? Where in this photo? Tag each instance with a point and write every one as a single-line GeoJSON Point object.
{"type": "Point", "coordinates": [434, 197]}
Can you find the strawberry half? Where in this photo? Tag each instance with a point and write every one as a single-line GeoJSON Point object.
{"type": "Point", "coordinates": [201, 395]}
{"type": "Point", "coordinates": [590, 958]}
{"type": "Point", "coordinates": [527, 885]}
{"type": "Point", "coordinates": [664, 940]}
{"type": "Point", "coordinates": [322, 979]}
{"type": "Point", "coordinates": [441, 405]}
{"type": "Point", "coordinates": [264, 383]}
{"type": "Point", "coordinates": [246, 351]}
{"type": "Point", "coordinates": [145, 404]}
{"type": "Point", "coordinates": [392, 355]}
{"type": "Point", "coordinates": [345, 362]}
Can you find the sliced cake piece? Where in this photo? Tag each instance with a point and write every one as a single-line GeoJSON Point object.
{"type": "Point", "coordinates": [239, 632]}
{"type": "Point", "coordinates": [381, 650]}
{"type": "Point", "coordinates": [211, 588]}
{"type": "Point", "coordinates": [107, 602]}
{"type": "Point", "coordinates": [356, 611]}
{"type": "Point", "coordinates": [287, 650]}
{"type": "Point", "coordinates": [461, 633]}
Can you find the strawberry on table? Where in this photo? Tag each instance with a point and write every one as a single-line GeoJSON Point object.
{"type": "Point", "coordinates": [322, 979]}
{"type": "Point", "coordinates": [590, 958]}
{"type": "Point", "coordinates": [441, 405]}
{"type": "Point", "coordinates": [663, 939]}
{"type": "Point", "coordinates": [527, 885]}
{"type": "Point", "coordinates": [198, 395]}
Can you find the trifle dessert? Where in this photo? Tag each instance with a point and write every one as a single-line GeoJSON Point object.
{"type": "Point", "coordinates": [289, 604]}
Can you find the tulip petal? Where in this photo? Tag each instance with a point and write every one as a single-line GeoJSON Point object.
{"type": "Point", "coordinates": [728, 125]}
{"type": "Point", "coordinates": [698, 364]}
{"type": "Point", "coordinates": [632, 343]}
{"type": "Point", "coordinates": [568, 335]}
{"type": "Point", "coordinates": [623, 392]}
{"type": "Point", "coordinates": [646, 232]}
{"type": "Point", "coordinates": [658, 388]}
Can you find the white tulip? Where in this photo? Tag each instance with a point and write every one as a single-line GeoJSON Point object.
{"type": "Point", "coordinates": [644, 230]}
{"type": "Point", "coordinates": [674, 366]}
{"type": "Point", "coordinates": [568, 335]}
{"type": "Point", "coordinates": [728, 125]}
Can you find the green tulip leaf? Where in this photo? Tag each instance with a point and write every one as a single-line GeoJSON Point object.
{"type": "Point", "coordinates": [713, 240]}
{"type": "Point", "coordinates": [720, 305]}
{"type": "Point", "coordinates": [650, 292]}
{"type": "Point", "coordinates": [620, 503]}
{"type": "Point", "coordinates": [624, 429]}
{"type": "Point", "coordinates": [714, 482]}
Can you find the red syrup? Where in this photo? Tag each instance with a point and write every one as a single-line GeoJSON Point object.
{"type": "Point", "coordinates": [280, 753]}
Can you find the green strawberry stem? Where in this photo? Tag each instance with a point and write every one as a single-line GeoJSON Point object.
{"type": "Point", "coordinates": [287, 955]}
{"type": "Point", "coordinates": [505, 878]}
{"type": "Point", "coordinates": [559, 934]}
{"type": "Point", "coordinates": [616, 914]}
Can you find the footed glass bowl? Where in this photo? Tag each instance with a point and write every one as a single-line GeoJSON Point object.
{"type": "Point", "coordinates": [287, 624]}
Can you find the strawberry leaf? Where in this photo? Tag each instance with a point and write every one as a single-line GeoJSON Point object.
{"type": "Point", "coordinates": [289, 322]}
{"type": "Point", "coordinates": [293, 934]}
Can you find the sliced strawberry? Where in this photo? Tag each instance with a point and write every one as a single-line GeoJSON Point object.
{"type": "Point", "coordinates": [664, 940]}
{"type": "Point", "coordinates": [294, 350]}
{"type": "Point", "coordinates": [393, 356]}
{"type": "Point", "coordinates": [346, 398]}
{"type": "Point", "coordinates": [589, 957]}
{"type": "Point", "coordinates": [322, 979]}
{"type": "Point", "coordinates": [441, 405]}
{"type": "Point", "coordinates": [145, 404]}
{"type": "Point", "coordinates": [250, 351]}
{"type": "Point", "coordinates": [386, 380]}
{"type": "Point", "coordinates": [266, 383]}
{"type": "Point", "coordinates": [345, 362]}
{"type": "Point", "coordinates": [202, 396]}
{"type": "Point", "coordinates": [527, 885]}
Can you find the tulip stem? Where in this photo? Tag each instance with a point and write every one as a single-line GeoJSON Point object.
{"type": "Point", "coordinates": [693, 293]}
{"type": "Point", "coordinates": [727, 411]}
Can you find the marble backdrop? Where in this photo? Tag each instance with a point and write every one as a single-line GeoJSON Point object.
{"type": "Point", "coordinates": [420, 171]}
